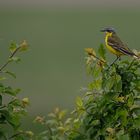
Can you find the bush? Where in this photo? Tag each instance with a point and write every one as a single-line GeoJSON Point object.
{"type": "Point", "coordinates": [109, 109]}
{"type": "Point", "coordinates": [12, 109]}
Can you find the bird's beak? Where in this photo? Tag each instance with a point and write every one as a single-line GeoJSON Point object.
{"type": "Point", "coordinates": [103, 30]}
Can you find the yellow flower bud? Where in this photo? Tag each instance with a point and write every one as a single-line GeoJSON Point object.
{"type": "Point", "coordinates": [24, 46]}
{"type": "Point", "coordinates": [25, 101]}
{"type": "Point", "coordinates": [29, 133]}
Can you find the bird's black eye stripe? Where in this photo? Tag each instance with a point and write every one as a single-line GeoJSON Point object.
{"type": "Point", "coordinates": [109, 31]}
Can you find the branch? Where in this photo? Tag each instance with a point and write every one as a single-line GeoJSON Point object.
{"type": "Point", "coordinates": [10, 57]}
{"type": "Point", "coordinates": [17, 134]}
{"type": "Point", "coordinates": [91, 52]}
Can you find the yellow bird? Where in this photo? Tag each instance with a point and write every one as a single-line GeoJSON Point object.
{"type": "Point", "coordinates": [115, 45]}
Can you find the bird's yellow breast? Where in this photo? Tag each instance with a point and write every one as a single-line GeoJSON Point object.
{"type": "Point", "coordinates": [110, 48]}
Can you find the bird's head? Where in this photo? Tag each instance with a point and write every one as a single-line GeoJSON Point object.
{"type": "Point", "coordinates": [108, 30]}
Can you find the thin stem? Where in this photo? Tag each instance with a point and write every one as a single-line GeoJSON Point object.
{"type": "Point", "coordinates": [118, 57]}
{"type": "Point", "coordinates": [8, 61]}
{"type": "Point", "coordinates": [17, 134]}
{"type": "Point", "coordinates": [98, 58]}
{"type": "Point", "coordinates": [2, 106]}
{"type": "Point", "coordinates": [49, 129]}
{"type": "Point", "coordinates": [79, 133]}
{"type": "Point", "coordinates": [131, 64]}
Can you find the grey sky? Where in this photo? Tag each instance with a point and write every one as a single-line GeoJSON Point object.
{"type": "Point", "coordinates": [70, 3]}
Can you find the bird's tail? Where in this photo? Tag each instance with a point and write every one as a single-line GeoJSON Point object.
{"type": "Point", "coordinates": [136, 54]}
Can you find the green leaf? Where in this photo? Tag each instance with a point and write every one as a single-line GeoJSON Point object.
{"type": "Point", "coordinates": [19, 137]}
{"type": "Point", "coordinates": [130, 101]}
{"type": "Point", "coordinates": [10, 91]}
{"type": "Point", "coordinates": [79, 102]}
{"type": "Point", "coordinates": [135, 134]}
{"type": "Point", "coordinates": [14, 120]}
{"type": "Point", "coordinates": [11, 118]}
{"type": "Point", "coordinates": [1, 87]}
{"type": "Point", "coordinates": [102, 51]}
{"type": "Point", "coordinates": [2, 136]}
{"type": "Point", "coordinates": [11, 74]}
{"type": "Point", "coordinates": [95, 122]}
{"type": "Point", "coordinates": [109, 83]}
{"type": "Point", "coordinates": [15, 59]}
{"type": "Point", "coordinates": [137, 123]}
{"type": "Point", "coordinates": [96, 72]}
{"type": "Point", "coordinates": [0, 100]}
{"type": "Point", "coordinates": [135, 108]}
{"type": "Point", "coordinates": [122, 114]}
{"type": "Point", "coordinates": [62, 114]}
{"type": "Point", "coordinates": [123, 137]}
{"type": "Point", "coordinates": [118, 83]}
{"type": "Point", "coordinates": [13, 47]}
{"type": "Point", "coordinates": [2, 78]}
{"type": "Point", "coordinates": [95, 85]}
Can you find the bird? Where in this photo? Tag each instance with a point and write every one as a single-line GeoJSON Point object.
{"type": "Point", "coordinates": [114, 44]}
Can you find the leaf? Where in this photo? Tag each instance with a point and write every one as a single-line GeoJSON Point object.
{"type": "Point", "coordinates": [0, 100]}
{"type": "Point", "coordinates": [1, 87]}
{"type": "Point", "coordinates": [123, 137]}
{"type": "Point", "coordinates": [122, 114]}
{"type": "Point", "coordinates": [12, 119]}
{"type": "Point", "coordinates": [102, 51]}
{"type": "Point", "coordinates": [79, 102]}
{"type": "Point", "coordinates": [95, 85]}
{"type": "Point", "coordinates": [61, 114]}
{"type": "Point", "coordinates": [137, 123]}
{"type": "Point", "coordinates": [11, 74]}
{"type": "Point", "coordinates": [96, 71]}
{"type": "Point", "coordinates": [2, 78]}
{"type": "Point", "coordinates": [2, 136]}
{"type": "Point", "coordinates": [137, 98]}
{"type": "Point", "coordinates": [10, 91]}
{"type": "Point", "coordinates": [19, 137]}
{"type": "Point", "coordinates": [68, 121]}
{"type": "Point", "coordinates": [95, 122]}
{"type": "Point", "coordinates": [130, 101]}
{"type": "Point", "coordinates": [109, 83]}
{"type": "Point", "coordinates": [110, 130]}
{"type": "Point", "coordinates": [135, 108]}
{"type": "Point", "coordinates": [15, 59]}
{"type": "Point", "coordinates": [13, 47]}
{"type": "Point", "coordinates": [118, 85]}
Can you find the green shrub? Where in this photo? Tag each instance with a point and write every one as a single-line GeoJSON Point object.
{"type": "Point", "coordinates": [12, 109]}
{"type": "Point", "coordinates": [109, 109]}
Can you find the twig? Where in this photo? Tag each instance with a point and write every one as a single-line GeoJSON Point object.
{"type": "Point", "coordinates": [97, 58]}
{"type": "Point", "coordinates": [8, 61]}
{"type": "Point", "coordinates": [17, 134]}
{"type": "Point", "coordinates": [2, 106]}
{"type": "Point", "coordinates": [131, 64]}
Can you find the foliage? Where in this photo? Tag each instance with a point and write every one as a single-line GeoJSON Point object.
{"type": "Point", "coordinates": [11, 107]}
{"type": "Point", "coordinates": [109, 109]}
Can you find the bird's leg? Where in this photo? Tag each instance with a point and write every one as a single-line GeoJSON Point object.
{"type": "Point", "coordinates": [118, 57]}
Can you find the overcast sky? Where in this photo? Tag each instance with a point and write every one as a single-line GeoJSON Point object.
{"type": "Point", "coordinates": [70, 3]}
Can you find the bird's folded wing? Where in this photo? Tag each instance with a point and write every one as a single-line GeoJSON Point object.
{"type": "Point", "coordinates": [118, 45]}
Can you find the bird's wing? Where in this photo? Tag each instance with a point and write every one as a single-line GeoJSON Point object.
{"type": "Point", "coordinates": [115, 42]}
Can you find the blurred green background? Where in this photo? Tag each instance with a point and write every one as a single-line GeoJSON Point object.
{"type": "Point", "coordinates": [53, 70]}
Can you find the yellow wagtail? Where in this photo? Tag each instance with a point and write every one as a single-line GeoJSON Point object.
{"type": "Point", "coordinates": [115, 45]}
